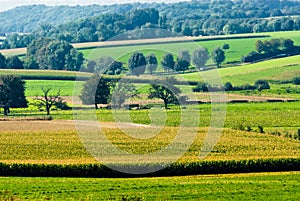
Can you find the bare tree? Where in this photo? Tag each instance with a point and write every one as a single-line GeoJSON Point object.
{"type": "Point", "coordinates": [47, 101]}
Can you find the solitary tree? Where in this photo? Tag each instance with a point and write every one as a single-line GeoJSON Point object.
{"type": "Point", "coordinates": [218, 56]}
{"type": "Point", "coordinates": [200, 57]}
{"type": "Point", "coordinates": [12, 93]}
{"type": "Point", "coordinates": [121, 92]}
{"type": "Point", "coordinates": [137, 63]}
{"type": "Point", "coordinates": [95, 91]}
{"type": "Point", "coordinates": [168, 62]}
{"type": "Point", "coordinates": [165, 90]}
{"type": "Point", "coordinates": [48, 101]}
{"type": "Point", "coordinates": [151, 63]}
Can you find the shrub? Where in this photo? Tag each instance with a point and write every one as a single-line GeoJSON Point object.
{"type": "Point", "coordinates": [261, 129]}
{"type": "Point", "coordinates": [296, 81]}
{"type": "Point", "coordinates": [201, 87]}
{"type": "Point", "coordinates": [262, 84]}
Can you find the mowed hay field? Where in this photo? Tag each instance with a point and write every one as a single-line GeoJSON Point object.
{"type": "Point", "coordinates": [256, 186]}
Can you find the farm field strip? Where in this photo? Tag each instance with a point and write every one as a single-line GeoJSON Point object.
{"type": "Point", "coordinates": [282, 186]}
{"type": "Point", "coordinates": [22, 51]}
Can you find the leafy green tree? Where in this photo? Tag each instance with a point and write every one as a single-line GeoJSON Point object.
{"type": "Point", "coordinates": [115, 68]}
{"type": "Point", "coordinates": [218, 56]}
{"type": "Point", "coordinates": [183, 61]}
{"type": "Point", "coordinates": [55, 55]}
{"type": "Point", "coordinates": [14, 63]}
{"type": "Point", "coordinates": [95, 91]}
{"type": "Point", "coordinates": [262, 84]}
{"type": "Point", "coordinates": [259, 46]}
{"type": "Point", "coordinates": [137, 63]}
{"type": "Point", "coordinates": [165, 90]}
{"type": "Point", "coordinates": [225, 46]}
{"type": "Point", "coordinates": [2, 61]}
{"type": "Point", "coordinates": [200, 57]}
{"type": "Point", "coordinates": [30, 63]}
{"type": "Point", "coordinates": [168, 62]}
{"type": "Point", "coordinates": [151, 63]}
{"type": "Point", "coordinates": [121, 92]}
{"type": "Point", "coordinates": [12, 93]}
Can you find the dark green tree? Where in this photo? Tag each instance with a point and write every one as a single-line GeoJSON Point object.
{"type": "Point", "coordinates": [14, 63]}
{"type": "Point", "coordinates": [262, 84]}
{"type": "Point", "coordinates": [183, 61]}
{"type": "Point", "coordinates": [151, 63]}
{"type": "Point", "coordinates": [2, 61]}
{"type": "Point", "coordinates": [200, 57]}
{"type": "Point", "coordinates": [30, 63]}
{"type": "Point", "coordinates": [95, 91]}
{"type": "Point", "coordinates": [168, 62]}
{"type": "Point", "coordinates": [218, 56]}
{"type": "Point", "coordinates": [165, 90]}
{"type": "Point", "coordinates": [12, 93]}
{"type": "Point", "coordinates": [115, 68]}
{"type": "Point", "coordinates": [137, 63]}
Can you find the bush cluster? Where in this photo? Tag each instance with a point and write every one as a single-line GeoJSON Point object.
{"type": "Point", "coordinates": [176, 169]}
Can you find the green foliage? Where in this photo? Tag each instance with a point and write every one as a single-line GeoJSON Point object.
{"type": "Point", "coordinates": [2, 61]}
{"type": "Point", "coordinates": [121, 92]}
{"type": "Point", "coordinates": [262, 84]}
{"type": "Point", "coordinates": [151, 63]}
{"type": "Point", "coordinates": [14, 63]}
{"type": "Point", "coordinates": [218, 56]}
{"type": "Point", "coordinates": [176, 169]}
{"type": "Point", "coordinates": [183, 61]}
{"type": "Point", "coordinates": [296, 81]}
{"type": "Point", "coordinates": [12, 93]}
{"type": "Point", "coordinates": [137, 63]}
{"type": "Point", "coordinates": [55, 55]}
{"type": "Point", "coordinates": [165, 90]}
{"type": "Point", "coordinates": [95, 91]}
{"type": "Point", "coordinates": [200, 57]}
{"type": "Point", "coordinates": [168, 62]}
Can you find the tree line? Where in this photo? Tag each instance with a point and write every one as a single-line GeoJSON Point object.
{"type": "Point", "coordinates": [276, 47]}
{"type": "Point", "coordinates": [46, 53]}
{"type": "Point", "coordinates": [193, 18]}
{"type": "Point", "coordinates": [138, 63]}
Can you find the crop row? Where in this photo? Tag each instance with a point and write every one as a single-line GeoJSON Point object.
{"type": "Point", "coordinates": [176, 169]}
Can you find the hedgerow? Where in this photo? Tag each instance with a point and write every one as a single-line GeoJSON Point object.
{"type": "Point", "coordinates": [176, 169]}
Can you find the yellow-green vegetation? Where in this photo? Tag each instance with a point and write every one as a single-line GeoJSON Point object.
{"type": "Point", "coordinates": [58, 141]}
{"type": "Point", "coordinates": [257, 186]}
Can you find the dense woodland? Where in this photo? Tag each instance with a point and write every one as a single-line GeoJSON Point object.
{"type": "Point", "coordinates": [100, 23]}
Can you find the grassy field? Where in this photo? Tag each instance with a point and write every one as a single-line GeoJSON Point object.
{"type": "Point", "coordinates": [238, 47]}
{"type": "Point", "coordinates": [34, 87]}
{"type": "Point", "coordinates": [258, 186]}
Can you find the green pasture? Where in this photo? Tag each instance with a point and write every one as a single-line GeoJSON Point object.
{"type": "Point", "coordinates": [238, 47]}
{"type": "Point", "coordinates": [66, 88]}
{"type": "Point", "coordinates": [275, 69]}
{"type": "Point", "coordinates": [258, 186]}
{"type": "Point", "coordinates": [44, 74]}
